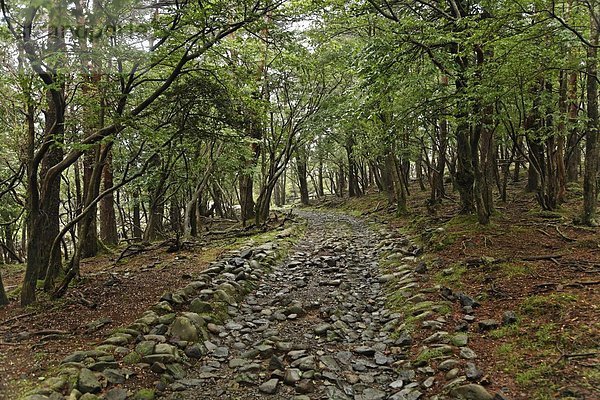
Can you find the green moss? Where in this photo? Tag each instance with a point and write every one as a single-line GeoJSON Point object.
{"type": "Point", "coordinates": [444, 309]}
{"type": "Point", "coordinates": [505, 331]}
{"type": "Point", "coordinates": [512, 270]}
{"type": "Point", "coordinates": [428, 354]}
{"type": "Point", "coordinates": [451, 276]}
{"type": "Point", "coordinates": [547, 305]}
{"type": "Point", "coordinates": [144, 394]}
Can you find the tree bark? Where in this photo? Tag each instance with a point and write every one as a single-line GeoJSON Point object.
{"type": "Point", "coordinates": [3, 296]}
{"type": "Point", "coordinates": [89, 236]}
{"type": "Point", "coordinates": [301, 169]}
{"type": "Point", "coordinates": [137, 220]}
{"type": "Point", "coordinates": [465, 174]}
{"type": "Point", "coordinates": [590, 176]}
{"type": "Point", "coordinates": [108, 217]}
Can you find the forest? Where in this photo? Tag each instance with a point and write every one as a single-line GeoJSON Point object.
{"type": "Point", "coordinates": [451, 145]}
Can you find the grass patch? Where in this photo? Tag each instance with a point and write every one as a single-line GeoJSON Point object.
{"type": "Point", "coordinates": [532, 375]}
{"type": "Point", "coordinates": [511, 330]}
{"type": "Point", "coordinates": [451, 276]}
{"type": "Point", "coordinates": [444, 309]}
{"type": "Point", "coordinates": [553, 305]}
{"type": "Point", "coordinates": [428, 354]}
{"type": "Point", "coordinates": [514, 270]}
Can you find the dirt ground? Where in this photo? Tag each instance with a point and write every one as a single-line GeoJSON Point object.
{"type": "Point", "coordinates": [34, 339]}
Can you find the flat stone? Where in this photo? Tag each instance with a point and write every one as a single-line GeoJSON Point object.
{"type": "Point", "coordinates": [221, 352]}
{"type": "Point", "coordinates": [269, 387]}
{"type": "Point", "coordinates": [407, 375]}
{"type": "Point", "coordinates": [237, 362]}
{"type": "Point", "coordinates": [372, 394]}
{"type": "Point", "coordinates": [162, 358]}
{"type": "Point", "coordinates": [467, 301]}
{"type": "Point", "coordinates": [447, 365]}
{"type": "Point", "coordinates": [452, 373]}
{"type": "Point", "coordinates": [487, 325]}
{"type": "Point", "coordinates": [407, 394]}
{"type": "Point", "coordinates": [176, 371]}
{"type": "Point", "coordinates": [397, 384]}
{"type": "Point", "coordinates": [200, 307]}
{"type": "Point", "coordinates": [305, 386]}
{"type": "Point", "coordinates": [114, 376]}
{"type": "Point", "coordinates": [305, 363]}
{"type": "Point", "coordinates": [144, 394]}
{"type": "Point", "coordinates": [165, 348]}
{"type": "Point", "coordinates": [471, 392]}
{"type": "Point", "coordinates": [265, 351]}
{"type": "Point", "coordinates": [472, 372]}
{"type": "Point", "coordinates": [322, 328]}
{"type": "Point", "coordinates": [428, 382]}
{"type": "Point", "coordinates": [184, 329]}
{"type": "Point", "coordinates": [460, 339]}
{"type": "Point", "coordinates": [87, 382]}
{"type": "Point", "coordinates": [467, 353]}
{"type": "Point", "coordinates": [365, 351]}
{"type": "Point", "coordinates": [292, 376]}
{"type": "Point", "coordinates": [234, 326]}
{"type": "Point", "coordinates": [145, 347]}
{"type": "Point", "coordinates": [116, 394]}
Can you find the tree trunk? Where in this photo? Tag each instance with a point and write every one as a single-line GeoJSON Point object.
{"type": "Point", "coordinates": [573, 154]}
{"type": "Point", "coordinates": [302, 179]}
{"type": "Point", "coordinates": [341, 181]}
{"type": "Point", "coordinates": [43, 205]}
{"type": "Point", "coordinates": [108, 217]}
{"type": "Point", "coordinates": [465, 174]}
{"type": "Point", "coordinates": [246, 186]}
{"type": "Point", "coordinates": [398, 187]}
{"type": "Point", "coordinates": [320, 186]}
{"type": "Point", "coordinates": [3, 296]}
{"type": "Point", "coordinates": [353, 189]}
{"type": "Point", "coordinates": [590, 175]}
{"type": "Point", "coordinates": [89, 237]}
{"type": "Point", "coordinates": [137, 220]}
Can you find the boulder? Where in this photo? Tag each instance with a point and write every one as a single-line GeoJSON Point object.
{"type": "Point", "coordinates": [87, 382]}
{"type": "Point", "coordinates": [184, 329]}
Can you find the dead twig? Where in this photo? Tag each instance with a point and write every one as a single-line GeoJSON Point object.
{"type": "Point", "coordinates": [543, 232]}
{"type": "Point", "coordinates": [50, 332]}
{"type": "Point", "coordinates": [541, 258]}
{"type": "Point", "coordinates": [17, 317]}
{"type": "Point", "coordinates": [559, 286]}
{"type": "Point", "coordinates": [568, 356]}
{"type": "Point", "coordinates": [562, 235]}
{"type": "Point", "coordinates": [131, 250]}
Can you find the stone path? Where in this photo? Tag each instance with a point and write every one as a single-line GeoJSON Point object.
{"type": "Point", "coordinates": [315, 328]}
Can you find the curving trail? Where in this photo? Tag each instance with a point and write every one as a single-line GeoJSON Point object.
{"type": "Point", "coordinates": [316, 327]}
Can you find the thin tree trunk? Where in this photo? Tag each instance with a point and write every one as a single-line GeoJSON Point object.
{"type": "Point", "coordinates": [3, 296]}
{"type": "Point", "coordinates": [108, 217]}
{"type": "Point", "coordinates": [137, 220]}
{"type": "Point", "coordinates": [302, 179]}
{"type": "Point", "coordinates": [590, 175]}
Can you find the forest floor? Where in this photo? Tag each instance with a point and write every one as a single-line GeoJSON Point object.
{"type": "Point", "coordinates": [34, 339]}
{"type": "Point", "coordinates": [335, 314]}
{"type": "Point", "coordinates": [537, 264]}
